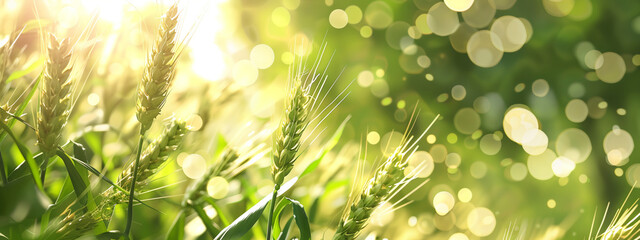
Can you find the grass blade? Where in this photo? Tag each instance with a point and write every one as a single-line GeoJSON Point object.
{"type": "Point", "coordinates": [219, 210]}
{"type": "Point", "coordinates": [104, 178]}
{"type": "Point", "coordinates": [21, 73]}
{"type": "Point", "coordinates": [301, 219]}
{"type": "Point", "coordinates": [244, 223]}
{"type": "Point", "coordinates": [26, 154]}
{"type": "Point", "coordinates": [276, 215]}
{"type": "Point", "coordinates": [3, 171]}
{"type": "Point", "coordinates": [79, 186]}
{"type": "Point", "coordinates": [285, 231]}
{"type": "Point", "coordinates": [113, 234]}
{"type": "Point", "coordinates": [205, 220]}
{"type": "Point", "coordinates": [177, 228]}
{"type": "Point", "coordinates": [23, 106]}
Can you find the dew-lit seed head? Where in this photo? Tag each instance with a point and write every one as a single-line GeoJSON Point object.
{"type": "Point", "coordinates": [288, 138]}
{"type": "Point", "coordinates": [159, 71]}
{"type": "Point", "coordinates": [55, 95]}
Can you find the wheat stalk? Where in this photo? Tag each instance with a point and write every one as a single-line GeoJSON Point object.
{"type": "Point", "coordinates": [159, 71]}
{"type": "Point", "coordinates": [156, 81]}
{"type": "Point", "coordinates": [75, 225]}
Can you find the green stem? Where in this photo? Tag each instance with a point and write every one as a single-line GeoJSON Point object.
{"type": "Point", "coordinates": [45, 164]}
{"type": "Point", "coordinates": [127, 230]}
{"type": "Point", "coordinates": [3, 173]}
{"type": "Point", "coordinates": [271, 210]}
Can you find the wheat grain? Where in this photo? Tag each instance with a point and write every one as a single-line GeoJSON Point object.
{"type": "Point", "coordinates": [159, 71]}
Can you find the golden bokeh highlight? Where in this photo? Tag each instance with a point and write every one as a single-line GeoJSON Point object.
{"type": "Point", "coordinates": [458, 5]}
{"type": "Point", "coordinates": [420, 165]}
{"type": "Point", "coordinates": [576, 110]}
{"type": "Point", "coordinates": [378, 15]}
{"type": "Point", "coordinates": [481, 222]}
{"type": "Point", "coordinates": [480, 14]}
{"type": "Point", "coordinates": [540, 165]}
{"type": "Point", "coordinates": [194, 166]}
{"type": "Point", "coordinates": [618, 145]}
{"type": "Point", "coordinates": [262, 56]}
{"type": "Point", "coordinates": [443, 202]}
{"type": "Point", "coordinates": [610, 67]}
{"type": "Point", "coordinates": [573, 144]}
{"type": "Point", "coordinates": [441, 20]}
{"type": "Point", "coordinates": [518, 122]}
{"type": "Point", "coordinates": [511, 33]}
{"type": "Point", "coordinates": [338, 18]}
{"type": "Point", "coordinates": [482, 49]}
{"type": "Point", "coordinates": [466, 120]}
{"type": "Point", "coordinates": [217, 187]}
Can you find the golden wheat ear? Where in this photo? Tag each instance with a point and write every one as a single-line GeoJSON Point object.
{"type": "Point", "coordinates": [55, 97]}
{"type": "Point", "coordinates": [159, 71]}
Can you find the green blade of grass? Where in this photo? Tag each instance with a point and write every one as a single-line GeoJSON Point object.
{"type": "Point", "coordinates": [176, 231]}
{"type": "Point", "coordinates": [285, 231]}
{"type": "Point", "coordinates": [113, 234]}
{"type": "Point", "coordinates": [79, 186]}
{"type": "Point", "coordinates": [105, 179]}
{"type": "Point", "coordinates": [276, 224]}
{"type": "Point", "coordinates": [26, 154]}
{"type": "Point", "coordinates": [3, 171]}
{"type": "Point", "coordinates": [246, 221]}
{"type": "Point", "coordinates": [23, 105]}
{"type": "Point", "coordinates": [221, 215]}
{"type": "Point", "coordinates": [18, 74]}
{"type": "Point", "coordinates": [301, 219]}
{"type": "Point", "coordinates": [22, 170]}
{"type": "Point", "coordinates": [211, 230]}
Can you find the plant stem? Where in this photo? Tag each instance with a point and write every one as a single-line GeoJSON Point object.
{"type": "Point", "coordinates": [133, 185]}
{"type": "Point", "coordinates": [272, 209]}
{"type": "Point", "coordinates": [3, 173]}
{"type": "Point", "coordinates": [44, 166]}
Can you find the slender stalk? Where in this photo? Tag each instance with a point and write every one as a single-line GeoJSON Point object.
{"type": "Point", "coordinates": [3, 173]}
{"type": "Point", "coordinates": [127, 230]}
{"type": "Point", "coordinates": [271, 210]}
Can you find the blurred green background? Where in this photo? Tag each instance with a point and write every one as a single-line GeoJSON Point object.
{"type": "Point", "coordinates": [569, 66]}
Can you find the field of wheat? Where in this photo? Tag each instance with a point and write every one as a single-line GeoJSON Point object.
{"type": "Point", "coordinates": [291, 119]}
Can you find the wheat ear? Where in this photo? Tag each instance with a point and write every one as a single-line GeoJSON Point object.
{"type": "Point", "coordinates": [159, 71]}
{"type": "Point", "coordinates": [377, 190]}
{"type": "Point", "coordinates": [287, 142]}
{"type": "Point", "coordinates": [55, 98]}
{"type": "Point", "coordinates": [154, 156]}
{"type": "Point", "coordinates": [156, 81]}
